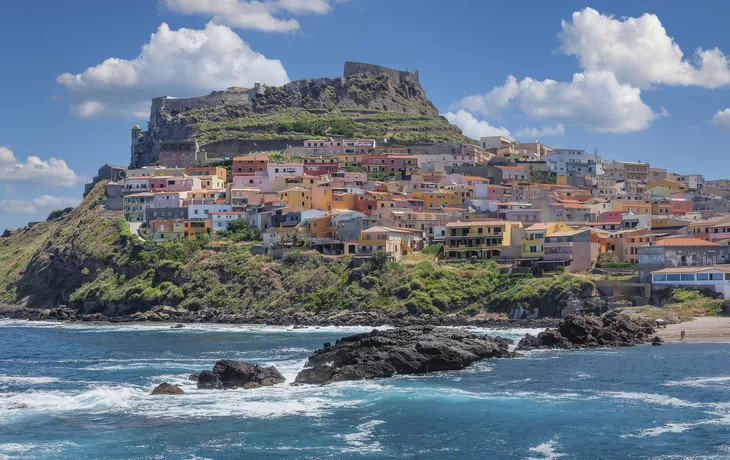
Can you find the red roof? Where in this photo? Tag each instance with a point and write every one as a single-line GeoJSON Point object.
{"type": "Point", "coordinates": [685, 242]}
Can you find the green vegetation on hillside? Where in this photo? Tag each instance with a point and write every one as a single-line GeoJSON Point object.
{"type": "Point", "coordinates": [296, 124]}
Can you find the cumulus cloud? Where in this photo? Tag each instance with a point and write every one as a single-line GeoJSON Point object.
{"type": "Point", "coordinates": [557, 130]}
{"type": "Point", "coordinates": [474, 128]}
{"type": "Point", "coordinates": [722, 119]}
{"type": "Point", "coordinates": [263, 15]}
{"type": "Point", "coordinates": [44, 203]}
{"type": "Point", "coordinates": [184, 62]}
{"type": "Point", "coordinates": [639, 51]}
{"type": "Point", "coordinates": [52, 172]}
{"type": "Point", "coordinates": [595, 100]}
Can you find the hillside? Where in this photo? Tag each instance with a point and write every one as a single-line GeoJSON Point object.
{"type": "Point", "coordinates": [367, 101]}
{"type": "Point", "coordinates": [89, 261]}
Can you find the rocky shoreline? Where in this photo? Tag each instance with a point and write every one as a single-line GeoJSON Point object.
{"type": "Point", "coordinates": [289, 317]}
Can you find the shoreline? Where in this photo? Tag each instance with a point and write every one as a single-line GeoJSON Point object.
{"type": "Point", "coordinates": [293, 318]}
{"type": "Point", "coordinates": [707, 329]}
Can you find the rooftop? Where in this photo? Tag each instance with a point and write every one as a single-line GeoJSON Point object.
{"type": "Point", "coordinates": [721, 268]}
{"type": "Point", "coordinates": [686, 241]}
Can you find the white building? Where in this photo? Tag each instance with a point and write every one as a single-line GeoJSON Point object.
{"type": "Point", "coordinates": [203, 211]}
{"type": "Point", "coordinates": [220, 220]}
{"type": "Point", "coordinates": [716, 278]}
{"type": "Point", "coordinates": [565, 161]}
{"type": "Point", "coordinates": [277, 169]}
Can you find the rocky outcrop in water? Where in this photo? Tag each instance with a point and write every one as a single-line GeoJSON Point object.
{"type": "Point", "coordinates": [167, 389]}
{"type": "Point", "coordinates": [227, 374]}
{"type": "Point", "coordinates": [576, 331]}
{"type": "Point", "coordinates": [407, 350]}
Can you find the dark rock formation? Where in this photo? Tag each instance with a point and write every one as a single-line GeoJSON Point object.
{"type": "Point", "coordinates": [227, 374]}
{"type": "Point", "coordinates": [283, 317]}
{"type": "Point", "coordinates": [167, 389]}
{"type": "Point", "coordinates": [657, 341]}
{"type": "Point", "coordinates": [408, 350]}
{"type": "Point", "coordinates": [194, 377]}
{"type": "Point", "coordinates": [576, 331]}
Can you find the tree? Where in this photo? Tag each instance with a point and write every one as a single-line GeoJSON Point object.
{"type": "Point", "coordinates": [379, 260]}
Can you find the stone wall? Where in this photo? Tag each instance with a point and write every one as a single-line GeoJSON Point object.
{"type": "Point", "coordinates": [214, 99]}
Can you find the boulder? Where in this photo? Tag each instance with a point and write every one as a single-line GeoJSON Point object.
{"type": "Point", "coordinates": [193, 377]}
{"type": "Point", "coordinates": [167, 389]}
{"type": "Point", "coordinates": [406, 350]}
{"type": "Point", "coordinates": [177, 326]}
{"type": "Point", "coordinates": [228, 374]}
{"type": "Point", "coordinates": [657, 341]}
{"type": "Point", "coordinates": [576, 331]}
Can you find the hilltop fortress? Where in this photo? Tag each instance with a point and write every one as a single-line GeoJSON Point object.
{"type": "Point", "coordinates": [240, 120]}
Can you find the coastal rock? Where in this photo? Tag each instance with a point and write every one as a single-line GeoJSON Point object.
{"type": "Point", "coordinates": [228, 374]}
{"type": "Point", "coordinates": [177, 326]}
{"type": "Point", "coordinates": [577, 331]}
{"type": "Point", "coordinates": [657, 341]}
{"type": "Point", "coordinates": [167, 389]}
{"type": "Point", "coordinates": [407, 350]}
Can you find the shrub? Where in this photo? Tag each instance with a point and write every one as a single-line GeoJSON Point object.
{"type": "Point", "coordinates": [402, 292]}
{"type": "Point", "coordinates": [420, 304]}
{"type": "Point", "coordinates": [433, 248]}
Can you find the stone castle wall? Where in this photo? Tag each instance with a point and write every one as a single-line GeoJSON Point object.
{"type": "Point", "coordinates": [214, 99]}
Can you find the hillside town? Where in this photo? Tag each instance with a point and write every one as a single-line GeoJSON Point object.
{"type": "Point", "coordinates": [524, 205]}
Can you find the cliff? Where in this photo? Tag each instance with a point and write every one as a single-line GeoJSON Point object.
{"type": "Point", "coordinates": [367, 101]}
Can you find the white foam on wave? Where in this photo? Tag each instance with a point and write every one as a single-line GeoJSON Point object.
{"type": "Point", "coordinates": [42, 450]}
{"type": "Point", "coordinates": [701, 382]}
{"type": "Point", "coordinates": [361, 440]}
{"type": "Point", "coordinates": [18, 380]}
{"type": "Point", "coordinates": [650, 398]}
{"type": "Point", "coordinates": [547, 450]}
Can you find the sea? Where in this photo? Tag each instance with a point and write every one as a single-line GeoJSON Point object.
{"type": "Point", "coordinates": [82, 391]}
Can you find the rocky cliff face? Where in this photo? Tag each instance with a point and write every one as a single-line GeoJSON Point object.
{"type": "Point", "coordinates": [347, 105]}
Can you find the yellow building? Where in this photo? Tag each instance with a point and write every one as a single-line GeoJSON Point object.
{"type": "Point", "coordinates": [322, 196]}
{"type": "Point", "coordinates": [481, 239]}
{"type": "Point", "coordinates": [532, 243]}
{"type": "Point", "coordinates": [463, 192]}
{"type": "Point", "coordinates": [166, 230]}
{"type": "Point", "coordinates": [671, 185]}
{"type": "Point", "coordinates": [297, 196]}
{"type": "Point", "coordinates": [437, 198]}
{"type": "Point", "coordinates": [213, 182]}
{"type": "Point", "coordinates": [350, 159]}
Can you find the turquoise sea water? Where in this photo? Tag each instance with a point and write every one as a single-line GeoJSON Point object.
{"type": "Point", "coordinates": [85, 390]}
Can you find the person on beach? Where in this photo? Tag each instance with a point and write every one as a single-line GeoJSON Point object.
{"type": "Point", "coordinates": [681, 335]}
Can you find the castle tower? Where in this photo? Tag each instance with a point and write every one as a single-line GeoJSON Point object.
{"type": "Point", "coordinates": [136, 134]}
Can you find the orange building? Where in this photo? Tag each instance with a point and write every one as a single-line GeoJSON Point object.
{"type": "Point", "coordinates": [250, 165]}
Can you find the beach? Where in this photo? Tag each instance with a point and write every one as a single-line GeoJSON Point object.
{"type": "Point", "coordinates": [700, 330]}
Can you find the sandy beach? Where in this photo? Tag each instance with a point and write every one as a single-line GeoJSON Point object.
{"type": "Point", "coordinates": [699, 330]}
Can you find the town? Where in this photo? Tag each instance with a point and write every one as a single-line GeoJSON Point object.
{"type": "Point", "coordinates": [524, 205]}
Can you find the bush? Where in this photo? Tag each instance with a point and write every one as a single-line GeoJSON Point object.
{"type": "Point", "coordinates": [614, 265]}
{"type": "Point", "coordinates": [433, 248]}
{"type": "Point", "coordinates": [420, 304]}
{"type": "Point", "coordinates": [402, 292]}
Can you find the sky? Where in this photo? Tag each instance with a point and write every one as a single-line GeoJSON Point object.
{"type": "Point", "coordinates": [638, 81]}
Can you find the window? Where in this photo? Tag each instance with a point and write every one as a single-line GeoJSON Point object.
{"type": "Point", "coordinates": [674, 278]}
{"type": "Point", "coordinates": [660, 278]}
{"type": "Point", "coordinates": [688, 277]}
{"type": "Point", "coordinates": [703, 277]}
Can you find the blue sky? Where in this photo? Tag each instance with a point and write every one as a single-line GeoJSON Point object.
{"type": "Point", "coordinates": [642, 91]}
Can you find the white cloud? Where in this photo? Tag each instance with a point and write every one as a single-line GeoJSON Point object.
{"type": "Point", "coordinates": [259, 15]}
{"type": "Point", "coordinates": [639, 51]}
{"type": "Point", "coordinates": [722, 119]}
{"type": "Point", "coordinates": [184, 62]}
{"type": "Point", "coordinates": [474, 128]}
{"type": "Point", "coordinates": [557, 130]}
{"type": "Point", "coordinates": [45, 203]}
{"type": "Point", "coordinates": [595, 100]}
{"type": "Point", "coordinates": [52, 173]}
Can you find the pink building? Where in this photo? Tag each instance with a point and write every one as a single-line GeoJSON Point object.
{"type": "Point", "coordinates": [404, 164]}
{"type": "Point", "coordinates": [159, 183]}
{"type": "Point", "coordinates": [278, 169]}
{"type": "Point", "coordinates": [259, 181]}
{"type": "Point", "coordinates": [320, 166]}
{"type": "Point", "coordinates": [169, 199]}
{"type": "Point", "coordinates": [183, 183]}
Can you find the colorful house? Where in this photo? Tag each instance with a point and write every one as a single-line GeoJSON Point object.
{"type": "Point", "coordinates": [577, 250]}
{"type": "Point", "coordinates": [534, 239]}
{"type": "Point", "coordinates": [479, 239]}
{"type": "Point", "coordinates": [166, 230]}
{"type": "Point", "coordinates": [136, 204]}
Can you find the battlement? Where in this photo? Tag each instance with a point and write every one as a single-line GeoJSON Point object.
{"type": "Point", "coordinates": [373, 70]}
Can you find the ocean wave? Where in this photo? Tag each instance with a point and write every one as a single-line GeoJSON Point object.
{"type": "Point", "coordinates": [701, 382]}
{"type": "Point", "coordinates": [17, 380]}
{"type": "Point", "coordinates": [547, 450]}
{"type": "Point", "coordinates": [361, 440]}
{"type": "Point", "coordinates": [650, 398]}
